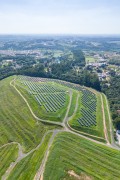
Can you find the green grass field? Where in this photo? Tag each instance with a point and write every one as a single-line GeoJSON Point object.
{"type": "Point", "coordinates": [106, 117]}
{"type": "Point", "coordinates": [40, 110]}
{"type": "Point", "coordinates": [28, 167]}
{"type": "Point", "coordinates": [16, 122]}
{"type": "Point", "coordinates": [94, 130]}
{"type": "Point", "coordinates": [90, 59]}
{"type": "Point", "coordinates": [70, 156]}
{"type": "Point", "coordinates": [59, 115]}
{"type": "Point", "coordinates": [73, 104]}
{"type": "Point", "coordinates": [72, 153]}
{"type": "Point", "coordinates": [8, 154]}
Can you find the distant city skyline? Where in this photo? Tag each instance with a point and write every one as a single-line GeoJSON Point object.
{"type": "Point", "coordinates": [60, 17]}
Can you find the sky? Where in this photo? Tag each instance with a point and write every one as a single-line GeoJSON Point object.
{"type": "Point", "coordinates": [59, 16]}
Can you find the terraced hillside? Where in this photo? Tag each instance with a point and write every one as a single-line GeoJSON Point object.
{"type": "Point", "coordinates": [49, 100]}
{"type": "Point", "coordinates": [17, 125]}
{"type": "Point", "coordinates": [47, 123]}
{"type": "Point", "coordinates": [76, 158]}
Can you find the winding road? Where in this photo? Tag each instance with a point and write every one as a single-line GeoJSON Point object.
{"type": "Point", "coordinates": [66, 128]}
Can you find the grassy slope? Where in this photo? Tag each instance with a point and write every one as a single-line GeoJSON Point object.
{"type": "Point", "coordinates": [67, 153]}
{"type": "Point", "coordinates": [40, 112]}
{"type": "Point", "coordinates": [70, 152]}
{"type": "Point", "coordinates": [73, 103]}
{"type": "Point", "coordinates": [106, 117]}
{"type": "Point", "coordinates": [27, 168]}
{"type": "Point", "coordinates": [94, 130]}
{"type": "Point", "coordinates": [16, 121]}
{"type": "Point", "coordinates": [8, 154]}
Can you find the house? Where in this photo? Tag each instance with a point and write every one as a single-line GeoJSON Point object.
{"type": "Point", "coordinates": [118, 136]}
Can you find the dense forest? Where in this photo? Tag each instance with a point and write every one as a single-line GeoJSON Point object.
{"type": "Point", "coordinates": [115, 62]}
{"type": "Point", "coordinates": [65, 70]}
{"type": "Point", "coordinates": [113, 94]}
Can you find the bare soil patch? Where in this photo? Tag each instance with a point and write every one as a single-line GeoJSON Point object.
{"type": "Point", "coordinates": [82, 176]}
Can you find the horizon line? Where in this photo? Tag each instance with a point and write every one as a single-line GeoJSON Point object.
{"type": "Point", "coordinates": [55, 34]}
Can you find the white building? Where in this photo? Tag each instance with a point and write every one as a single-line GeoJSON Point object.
{"type": "Point", "coordinates": [118, 136]}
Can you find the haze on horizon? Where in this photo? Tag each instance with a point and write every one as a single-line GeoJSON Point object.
{"type": "Point", "coordinates": [59, 17]}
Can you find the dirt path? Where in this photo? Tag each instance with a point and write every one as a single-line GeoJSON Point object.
{"type": "Point", "coordinates": [110, 121]}
{"type": "Point", "coordinates": [104, 121]}
{"type": "Point", "coordinates": [68, 109]}
{"type": "Point", "coordinates": [111, 125]}
{"type": "Point", "coordinates": [45, 121]}
{"type": "Point", "coordinates": [76, 107]}
{"type": "Point", "coordinates": [39, 174]}
{"type": "Point", "coordinates": [67, 128]}
{"type": "Point", "coordinates": [8, 144]}
{"type": "Point", "coordinates": [22, 155]}
{"type": "Point", "coordinates": [79, 132]}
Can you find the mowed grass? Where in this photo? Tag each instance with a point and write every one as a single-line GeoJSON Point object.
{"type": "Point", "coordinates": [16, 122]}
{"type": "Point", "coordinates": [8, 154]}
{"type": "Point", "coordinates": [107, 118]}
{"type": "Point", "coordinates": [27, 168]}
{"type": "Point", "coordinates": [97, 130]}
{"type": "Point", "coordinates": [73, 103]}
{"type": "Point", "coordinates": [90, 59]}
{"type": "Point", "coordinates": [40, 112]}
{"type": "Point", "coordinates": [70, 152]}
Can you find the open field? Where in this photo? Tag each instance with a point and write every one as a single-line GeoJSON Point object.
{"type": "Point", "coordinates": [72, 108]}
{"type": "Point", "coordinates": [90, 112]}
{"type": "Point", "coordinates": [89, 116]}
{"type": "Point", "coordinates": [28, 167]}
{"type": "Point", "coordinates": [16, 122]}
{"type": "Point", "coordinates": [72, 153]}
{"type": "Point", "coordinates": [33, 111]}
{"type": "Point", "coordinates": [8, 154]}
{"type": "Point", "coordinates": [107, 118]}
{"type": "Point", "coordinates": [49, 100]}
{"type": "Point", "coordinates": [90, 59]}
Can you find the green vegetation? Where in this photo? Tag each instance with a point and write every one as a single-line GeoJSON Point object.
{"type": "Point", "coordinates": [60, 58]}
{"type": "Point", "coordinates": [73, 103]}
{"type": "Point", "coordinates": [70, 152]}
{"type": "Point", "coordinates": [16, 122]}
{"type": "Point", "coordinates": [90, 59]}
{"type": "Point", "coordinates": [28, 167]}
{"type": "Point", "coordinates": [78, 56]}
{"type": "Point", "coordinates": [8, 154]}
{"type": "Point", "coordinates": [97, 129]}
{"type": "Point", "coordinates": [107, 118]}
{"type": "Point", "coordinates": [115, 62]}
{"type": "Point", "coordinates": [113, 94]}
{"type": "Point", "coordinates": [40, 110]}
